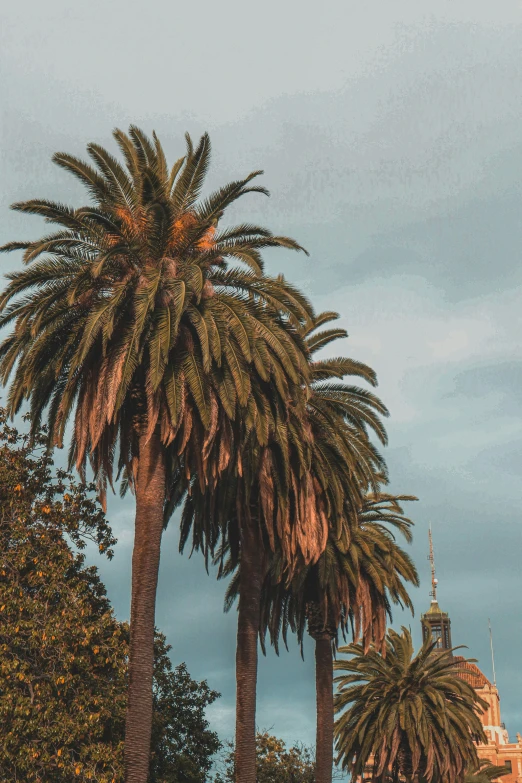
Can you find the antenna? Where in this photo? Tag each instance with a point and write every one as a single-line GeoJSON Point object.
{"type": "Point", "coordinates": [434, 580]}
{"type": "Point", "coordinates": [492, 653]}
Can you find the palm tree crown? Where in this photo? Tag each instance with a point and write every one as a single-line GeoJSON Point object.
{"type": "Point", "coordinates": [412, 714]}
{"type": "Point", "coordinates": [125, 310]}
{"type": "Point", "coordinates": [354, 583]}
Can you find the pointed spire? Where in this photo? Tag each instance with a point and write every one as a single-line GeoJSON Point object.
{"type": "Point", "coordinates": [492, 653]}
{"type": "Point", "coordinates": [436, 624]}
{"type": "Point", "coordinates": [434, 580]}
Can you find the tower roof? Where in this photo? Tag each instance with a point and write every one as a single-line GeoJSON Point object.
{"type": "Point", "coordinates": [435, 609]}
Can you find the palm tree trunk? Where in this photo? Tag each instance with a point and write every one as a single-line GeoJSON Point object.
{"type": "Point", "coordinates": [325, 709]}
{"type": "Point", "coordinates": [251, 577]}
{"type": "Point", "coordinates": [150, 499]}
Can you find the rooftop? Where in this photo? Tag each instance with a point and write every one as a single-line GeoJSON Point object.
{"type": "Point", "coordinates": [470, 673]}
{"type": "Point", "coordinates": [435, 609]}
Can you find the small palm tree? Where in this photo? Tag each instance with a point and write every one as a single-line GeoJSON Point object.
{"type": "Point", "coordinates": [411, 713]}
{"type": "Point", "coordinates": [131, 319]}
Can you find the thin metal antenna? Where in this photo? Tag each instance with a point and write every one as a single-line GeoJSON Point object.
{"type": "Point", "coordinates": [434, 580]}
{"type": "Point", "coordinates": [492, 653]}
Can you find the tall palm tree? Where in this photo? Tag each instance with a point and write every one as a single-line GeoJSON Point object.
{"type": "Point", "coordinates": [342, 461]}
{"type": "Point", "coordinates": [354, 580]}
{"type": "Point", "coordinates": [336, 588]}
{"type": "Point", "coordinates": [411, 713]}
{"type": "Point", "coordinates": [271, 499]}
{"type": "Point", "coordinates": [351, 587]}
{"type": "Point", "coordinates": [131, 317]}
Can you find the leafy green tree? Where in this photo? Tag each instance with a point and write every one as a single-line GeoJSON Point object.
{"type": "Point", "coordinates": [61, 676]}
{"type": "Point", "coordinates": [412, 714]}
{"type": "Point", "coordinates": [182, 744]}
{"type": "Point", "coordinates": [63, 655]}
{"type": "Point", "coordinates": [130, 319]}
{"type": "Point", "coordinates": [274, 762]}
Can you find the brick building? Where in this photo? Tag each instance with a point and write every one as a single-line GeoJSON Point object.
{"type": "Point", "coordinates": [436, 625]}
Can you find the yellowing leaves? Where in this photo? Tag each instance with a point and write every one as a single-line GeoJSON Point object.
{"type": "Point", "coordinates": [46, 509]}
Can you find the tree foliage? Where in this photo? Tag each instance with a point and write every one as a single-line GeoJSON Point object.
{"type": "Point", "coordinates": [139, 312]}
{"type": "Point", "coordinates": [362, 568]}
{"type": "Point", "coordinates": [411, 713]}
{"type": "Point", "coordinates": [182, 743]}
{"type": "Point", "coordinates": [275, 762]}
{"type": "Point", "coordinates": [63, 654]}
{"type": "Point", "coordinates": [486, 772]}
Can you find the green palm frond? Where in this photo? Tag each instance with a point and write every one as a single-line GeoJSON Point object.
{"type": "Point", "coordinates": [130, 316]}
{"type": "Point", "coordinates": [411, 713]}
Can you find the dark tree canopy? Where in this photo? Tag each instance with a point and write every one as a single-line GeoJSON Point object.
{"type": "Point", "coordinates": [182, 743]}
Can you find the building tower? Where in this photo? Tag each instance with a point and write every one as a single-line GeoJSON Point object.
{"type": "Point", "coordinates": [436, 624]}
{"type": "Point", "coordinates": [497, 749]}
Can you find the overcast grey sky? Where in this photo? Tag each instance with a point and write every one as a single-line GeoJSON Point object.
{"type": "Point", "coordinates": [390, 136]}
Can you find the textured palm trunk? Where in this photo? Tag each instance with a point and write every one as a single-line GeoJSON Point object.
{"type": "Point", "coordinates": [322, 629]}
{"type": "Point", "coordinates": [325, 709]}
{"type": "Point", "coordinates": [150, 498]}
{"type": "Point", "coordinates": [251, 577]}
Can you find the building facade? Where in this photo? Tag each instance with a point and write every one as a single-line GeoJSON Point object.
{"type": "Point", "coordinates": [499, 750]}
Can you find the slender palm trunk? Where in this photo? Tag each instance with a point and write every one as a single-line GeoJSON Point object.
{"type": "Point", "coordinates": [150, 499]}
{"type": "Point", "coordinates": [325, 709]}
{"type": "Point", "coordinates": [251, 577]}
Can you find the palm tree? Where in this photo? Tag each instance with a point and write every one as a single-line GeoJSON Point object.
{"type": "Point", "coordinates": [351, 587]}
{"type": "Point", "coordinates": [338, 587]}
{"type": "Point", "coordinates": [131, 317]}
{"type": "Point", "coordinates": [342, 461]}
{"type": "Point", "coordinates": [354, 580]}
{"type": "Point", "coordinates": [411, 713]}
{"type": "Point", "coordinates": [284, 497]}
{"type": "Point", "coordinates": [486, 772]}
{"type": "Point", "coordinates": [271, 499]}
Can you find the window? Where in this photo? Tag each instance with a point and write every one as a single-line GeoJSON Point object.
{"type": "Point", "coordinates": [436, 634]}
{"type": "Point", "coordinates": [508, 764]}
